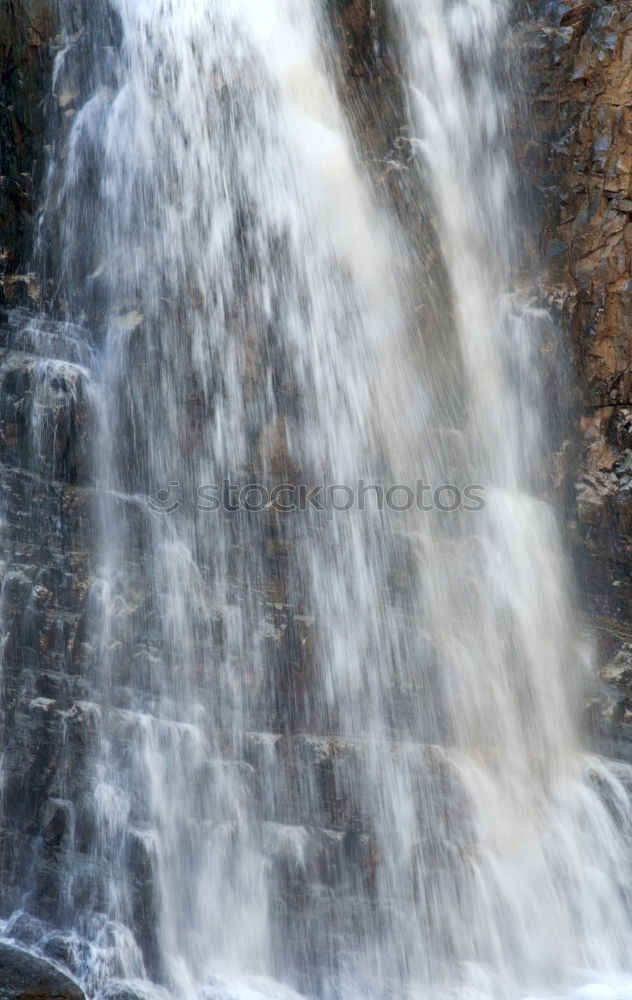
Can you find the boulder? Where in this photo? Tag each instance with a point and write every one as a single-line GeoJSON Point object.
{"type": "Point", "coordinates": [24, 928]}
{"type": "Point", "coordinates": [68, 949]}
{"type": "Point", "coordinates": [25, 977]}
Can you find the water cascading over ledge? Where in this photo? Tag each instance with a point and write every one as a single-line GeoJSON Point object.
{"type": "Point", "coordinates": [334, 750]}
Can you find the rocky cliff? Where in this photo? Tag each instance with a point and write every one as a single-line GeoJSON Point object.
{"type": "Point", "coordinates": [578, 151]}
{"type": "Point", "coordinates": [579, 54]}
{"type": "Point", "coordinates": [27, 47]}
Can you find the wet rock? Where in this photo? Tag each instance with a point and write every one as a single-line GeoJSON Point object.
{"type": "Point", "coordinates": [45, 417]}
{"type": "Point", "coordinates": [52, 863]}
{"type": "Point", "coordinates": [25, 977]}
{"type": "Point", "coordinates": [616, 677]}
{"type": "Point", "coordinates": [142, 864]}
{"type": "Point", "coordinates": [67, 949]}
{"type": "Point", "coordinates": [580, 55]}
{"type": "Point", "coordinates": [26, 30]}
{"type": "Point", "coordinates": [24, 928]}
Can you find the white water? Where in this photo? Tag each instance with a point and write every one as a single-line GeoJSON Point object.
{"type": "Point", "coordinates": [262, 320]}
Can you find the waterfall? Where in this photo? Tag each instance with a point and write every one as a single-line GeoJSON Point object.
{"type": "Point", "coordinates": [336, 747]}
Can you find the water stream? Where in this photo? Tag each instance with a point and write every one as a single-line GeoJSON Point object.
{"type": "Point", "coordinates": [340, 744]}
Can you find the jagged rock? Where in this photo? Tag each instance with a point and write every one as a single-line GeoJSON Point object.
{"type": "Point", "coordinates": [25, 977]}
{"type": "Point", "coordinates": [580, 54]}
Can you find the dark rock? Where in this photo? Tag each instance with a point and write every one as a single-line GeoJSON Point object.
{"type": "Point", "coordinates": [67, 949]}
{"type": "Point", "coordinates": [25, 977]}
{"type": "Point", "coordinates": [45, 416]}
{"type": "Point", "coordinates": [142, 865]}
{"type": "Point", "coordinates": [24, 928]}
{"type": "Point", "coordinates": [26, 30]}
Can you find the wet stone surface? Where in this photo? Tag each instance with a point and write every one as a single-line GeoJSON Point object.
{"type": "Point", "coordinates": [580, 59]}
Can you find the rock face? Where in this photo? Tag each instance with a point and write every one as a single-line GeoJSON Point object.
{"type": "Point", "coordinates": [579, 153]}
{"type": "Point", "coordinates": [25, 977]}
{"type": "Point", "coordinates": [27, 30]}
{"type": "Point", "coordinates": [580, 56]}
{"type": "Point", "coordinates": [42, 403]}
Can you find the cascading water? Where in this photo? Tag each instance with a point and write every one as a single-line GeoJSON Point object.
{"type": "Point", "coordinates": [334, 748]}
